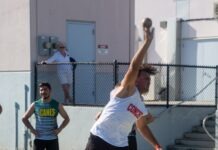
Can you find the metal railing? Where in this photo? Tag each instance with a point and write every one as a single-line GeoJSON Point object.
{"type": "Point", "coordinates": [92, 83]}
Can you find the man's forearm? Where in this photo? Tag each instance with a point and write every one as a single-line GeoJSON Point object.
{"type": "Point", "coordinates": [64, 123]}
{"type": "Point", "coordinates": [139, 56]}
{"type": "Point", "coordinates": [150, 136]}
{"type": "Point", "coordinates": [147, 134]}
{"type": "Point", "coordinates": [28, 125]}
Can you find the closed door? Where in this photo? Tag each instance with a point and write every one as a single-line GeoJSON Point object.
{"type": "Point", "coordinates": [81, 45]}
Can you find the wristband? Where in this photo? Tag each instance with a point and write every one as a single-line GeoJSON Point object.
{"type": "Point", "coordinates": [158, 147]}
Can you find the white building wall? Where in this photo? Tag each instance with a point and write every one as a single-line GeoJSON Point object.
{"type": "Point", "coordinates": [196, 23]}
{"type": "Point", "coordinates": [14, 98]}
{"type": "Point", "coordinates": [158, 11]}
{"type": "Point", "coordinates": [203, 29]}
{"type": "Point", "coordinates": [175, 9]}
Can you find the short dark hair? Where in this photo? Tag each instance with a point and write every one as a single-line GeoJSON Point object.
{"type": "Point", "coordinates": [45, 84]}
{"type": "Point", "coordinates": [151, 70]}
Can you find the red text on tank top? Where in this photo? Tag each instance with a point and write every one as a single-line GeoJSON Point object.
{"type": "Point", "coordinates": [134, 110]}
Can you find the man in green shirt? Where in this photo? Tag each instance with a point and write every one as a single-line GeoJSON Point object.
{"type": "Point", "coordinates": [46, 110]}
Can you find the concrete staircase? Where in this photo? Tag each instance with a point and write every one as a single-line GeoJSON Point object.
{"type": "Point", "coordinates": [197, 139]}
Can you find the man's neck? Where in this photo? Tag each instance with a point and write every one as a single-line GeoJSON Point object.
{"type": "Point", "coordinates": [47, 99]}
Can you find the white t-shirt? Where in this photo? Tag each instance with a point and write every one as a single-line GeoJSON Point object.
{"type": "Point", "coordinates": [59, 58]}
{"type": "Point", "coordinates": [117, 119]}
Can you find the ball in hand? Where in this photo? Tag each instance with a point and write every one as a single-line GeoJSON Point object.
{"type": "Point", "coordinates": [147, 23]}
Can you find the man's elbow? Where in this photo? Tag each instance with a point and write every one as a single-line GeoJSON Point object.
{"type": "Point", "coordinates": [24, 119]}
{"type": "Point", "coordinates": [149, 118]}
{"type": "Point", "coordinates": [141, 126]}
{"type": "Point", "coordinates": [67, 119]}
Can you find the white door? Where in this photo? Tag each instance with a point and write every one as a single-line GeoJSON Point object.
{"type": "Point", "coordinates": [200, 53]}
{"type": "Point", "coordinates": [81, 45]}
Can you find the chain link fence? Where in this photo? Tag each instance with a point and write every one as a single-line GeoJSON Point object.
{"type": "Point", "coordinates": [174, 84]}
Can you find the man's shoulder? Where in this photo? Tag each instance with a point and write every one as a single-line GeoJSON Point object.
{"type": "Point", "coordinates": [123, 92]}
{"type": "Point", "coordinates": [54, 101]}
{"type": "Point", "coordinates": [37, 101]}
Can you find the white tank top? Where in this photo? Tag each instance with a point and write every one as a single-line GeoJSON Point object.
{"type": "Point", "coordinates": [117, 119]}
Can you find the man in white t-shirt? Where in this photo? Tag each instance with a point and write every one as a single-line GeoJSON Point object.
{"type": "Point", "coordinates": [64, 71]}
{"type": "Point", "coordinates": [110, 131]}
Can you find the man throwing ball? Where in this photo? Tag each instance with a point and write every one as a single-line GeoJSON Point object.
{"type": "Point", "coordinates": [125, 106]}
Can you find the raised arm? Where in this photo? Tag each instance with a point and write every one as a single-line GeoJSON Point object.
{"type": "Point", "coordinates": [132, 72]}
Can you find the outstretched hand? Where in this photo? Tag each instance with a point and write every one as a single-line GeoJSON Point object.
{"type": "Point", "coordinates": [148, 34]}
{"type": "Point", "coordinates": [148, 30]}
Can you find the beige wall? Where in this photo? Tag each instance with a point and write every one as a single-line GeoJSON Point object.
{"type": "Point", "coordinates": [112, 20]}
{"type": "Point", "coordinates": [14, 35]}
{"type": "Point", "coordinates": [24, 20]}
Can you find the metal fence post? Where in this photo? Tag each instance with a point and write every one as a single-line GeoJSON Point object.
{"type": "Point", "coordinates": [168, 70]}
{"type": "Point", "coordinates": [216, 116]}
{"type": "Point", "coordinates": [73, 86]}
{"type": "Point", "coordinates": [36, 80]}
{"type": "Point", "coordinates": [115, 72]}
{"type": "Point", "coordinates": [216, 87]}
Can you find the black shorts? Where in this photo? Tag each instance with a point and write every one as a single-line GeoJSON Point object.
{"type": "Point", "coordinates": [96, 143]}
{"type": "Point", "coordinates": [46, 144]}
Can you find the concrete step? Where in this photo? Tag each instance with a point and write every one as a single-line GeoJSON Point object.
{"type": "Point", "coordinates": [197, 135]}
{"type": "Point", "coordinates": [185, 147]}
{"type": "Point", "coordinates": [197, 139]}
{"type": "Point", "coordinates": [200, 129]}
{"type": "Point", "coordinates": [196, 143]}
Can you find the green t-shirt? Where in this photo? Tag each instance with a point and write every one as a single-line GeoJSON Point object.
{"type": "Point", "coordinates": [46, 119]}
